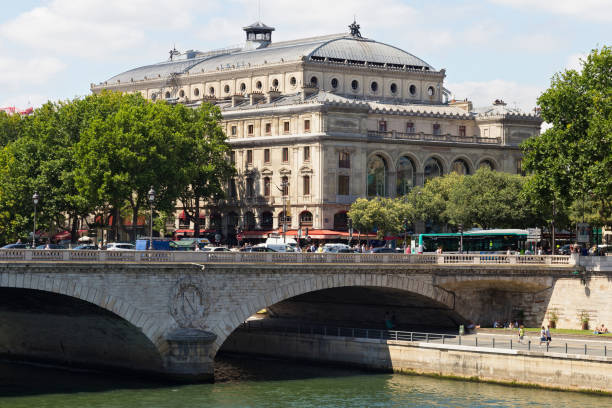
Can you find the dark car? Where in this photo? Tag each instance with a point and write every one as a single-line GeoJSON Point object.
{"type": "Point", "coordinates": [564, 250]}
{"type": "Point", "coordinates": [257, 249]}
{"type": "Point", "coordinates": [382, 250]}
{"type": "Point", "coordinates": [16, 246]}
{"type": "Point", "coordinates": [50, 246]}
{"type": "Point", "coordinates": [87, 247]}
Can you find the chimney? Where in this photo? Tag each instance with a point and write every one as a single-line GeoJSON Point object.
{"type": "Point", "coordinates": [255, 97]}
{"type": "Point", "coordinates": [237, 99]}
{"type": "Point", "coordinates": [272, 95]}
{"type": "Point", "coordinates": [464, 104]}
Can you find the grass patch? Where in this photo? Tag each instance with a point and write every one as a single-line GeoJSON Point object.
{"type": "Point", "coordinates": [555, 331]}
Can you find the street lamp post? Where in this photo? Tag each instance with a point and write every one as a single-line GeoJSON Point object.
{"type": "Point", "coordinates": [284, 188]}
{"type": "Point", "coordinates": [405, 233]}
{"type": "Point", "coordinates": [35, 199]}
{"type": "Point", "coordinates": [151, 197]}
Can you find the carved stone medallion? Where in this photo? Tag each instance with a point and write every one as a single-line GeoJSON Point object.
{"type": "Point", "coordinates": [187, 304]}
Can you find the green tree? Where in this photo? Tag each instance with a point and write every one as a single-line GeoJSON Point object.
{"type": "Point", "coordinates": [386, 215]}
{"type": "Point", "coordinates": [573, 158]}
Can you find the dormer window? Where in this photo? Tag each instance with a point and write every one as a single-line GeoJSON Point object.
{"type": "Point", "coordinates": [258, 35]}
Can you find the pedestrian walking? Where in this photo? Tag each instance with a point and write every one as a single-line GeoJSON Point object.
{"type": "Point", "coordinates": [542, 335]}
{"type": "Point", "coordinates": [521, 333]}
{"type": "Point", "coordinates": [548, 338]}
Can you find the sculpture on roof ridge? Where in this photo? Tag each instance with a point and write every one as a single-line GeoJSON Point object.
{"type": "Point", "coordinates": [355, 29]}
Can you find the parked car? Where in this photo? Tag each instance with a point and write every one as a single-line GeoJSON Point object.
{"type": "Point", "coordinates": [120, 246]}
{"type": "Point", "coordinates": [16, 246]}
{"type": "Point", "coordinates": [215, 249]}
{"type": "Point", "coordinates": [564, 250]}
{"type": "Point", "coordinates": [50, 246]}
{"type": "Point", "coordinates": [334, 248]}
{"type": "Point", "coordinates": [85, 247]}
{"type": "Point", "coordinates": [382, 250]}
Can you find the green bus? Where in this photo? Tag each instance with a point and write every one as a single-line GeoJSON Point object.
{"type": "Point", "coordinates": [475, 241]}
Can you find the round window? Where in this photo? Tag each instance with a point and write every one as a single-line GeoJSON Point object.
{"type": "Point", "coordinates": [182, 93]}
{"type": "Point", "coordinates": [374, 86]}
{"type": "Point", "coordinates": [226, 89]}
{"type": "Point", "coordinates": [293, 81]}
{"type": "Point", "coordinates": [430, 91]}
{"type": "Point", "coordinates": [196, 91]}
{"type": "Point", "coordinates": [275, 83]}
{"type": "Point", "coordinates": [355, 84]}
{"type": "Point", "coordinates": [393, 88]}
{"type": "Point", "coordinates": [258, 85]}
{"type": "Point", "coordinates": [314, 81]}
{"type": "Point", "coordinates": [412, 90]}
{"type": "Point", "coordinates": [242, 87]}
{"type": "Point", "coordinates": [334, 83]}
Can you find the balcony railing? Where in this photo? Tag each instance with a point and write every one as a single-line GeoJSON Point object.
{"type": "Point", "coordinates": [426, 137]}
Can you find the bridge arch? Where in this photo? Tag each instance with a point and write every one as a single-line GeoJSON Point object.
{"type": "Point", "coordinates": [231, 320]}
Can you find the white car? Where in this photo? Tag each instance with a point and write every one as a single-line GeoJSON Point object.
{"type": "Point", "coordinates": [120, 246]}
{"type": "Point", "coordinates": [214, 249]}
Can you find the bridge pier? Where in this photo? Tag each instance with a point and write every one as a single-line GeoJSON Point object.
{"type": "Point", "coordinates": [189, 355]}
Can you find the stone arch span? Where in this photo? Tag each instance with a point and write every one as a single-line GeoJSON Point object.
{"type": "Point", "coordinates": [95, 296]}
{"type": "Point", "coordinates": [232, 319]}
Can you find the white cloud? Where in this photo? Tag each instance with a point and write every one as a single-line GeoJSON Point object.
{"type": "Point", "coordinates": [23, 101]}
{"type": "Point", "coordinates": [96, 28]}
{"type": "Point", "coordinates": [591, 10]}
{"type": "Point", "coordinates": [18, 73]}
{"type": "Point", "coordinates": [484, 93]}
{"type": "Point", "coordinates": [574, 61]}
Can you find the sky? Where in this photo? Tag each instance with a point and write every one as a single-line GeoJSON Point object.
{"type": "Point", "coordinates": [491, 49]}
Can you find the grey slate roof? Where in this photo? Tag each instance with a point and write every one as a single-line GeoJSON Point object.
{"type": "Point", "coordinates": [338, 47]}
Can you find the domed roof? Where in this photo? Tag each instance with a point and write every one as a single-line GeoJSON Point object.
{"type": "Point", "coordinates": [339, 48]}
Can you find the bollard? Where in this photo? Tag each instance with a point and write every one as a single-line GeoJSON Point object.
{"type": "Point", "coordinates": [410, 336]}
{"type": "Point", "coordinates": [605, 350]}
{"type": "Point", "coordinates": [426, 337]}
{"type": "Point", "coordinates": [585, 349]}
{"type": "Point", "coordinates": [565, 348]}
{"type": "Point", "coordinates": [442, 339]}
{"type": "Point", "coordinates": [459, 339]}
{"type": "Point", "coordinates": [476, 341]}
{"type": "Point", "coordinates": [547, 347]}
{"type": "Point", "coordinates": [493, 342]}
{"type": "Point", "coordinates": [529, 345]}
{"type": "Point", "coordinates": [510, 344]}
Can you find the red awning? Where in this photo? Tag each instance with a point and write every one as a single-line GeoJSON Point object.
{"type": "Point", "coordinates": [312, 233]}
{"type": "Point", "coordinates": [62, 235]}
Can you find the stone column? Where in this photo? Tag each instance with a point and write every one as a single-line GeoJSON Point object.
{"type": "Point", "coordinates": [189, 357]}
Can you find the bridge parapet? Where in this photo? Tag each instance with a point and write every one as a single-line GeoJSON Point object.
{"type": "Point", "coordinates": [279, 257]}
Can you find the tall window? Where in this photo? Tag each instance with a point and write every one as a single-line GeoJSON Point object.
{"type": "Point", "coordinates": [306, 182]}
{"type": "Point", "coordinates": [460, 167]}
{"type": "Point", "coordinates": [266, 185]}
{"type": "Point", "coordinates": [344, 160]}
{"type": "Point", "coordinates": [410, 127]}
{"type": "Point", "coordinates": [268, 128]}
{"type": "Point", "coordinates": [433, 168]}
{"type": "Point", "coordinates": [286, 127]}
{"type": "Point", "coordinates": [406, 175]}
{"type": "Point", "coordinates": [436, 129]}
{"type": "Point", "coordinates": [249, 220]}
{"type": "Point", "coordinates": [266, 155]}
{"type": "Point", "coordinates": [306, 153]}
{"type": "Point", "coordinates": [249, 158]}
{"type": "Point", "coordinates": [267, 220]}
{"type": "Point", "coordinates": [341, 221]}
{"type": "Point", "coordinates": [234, 130]}
{"type": "Point", "coordinates": [343, 185]}
{"type": "Point", "coordinates": [233, 157]}
{"type": "Point", "coordinates": [250, 130]}
{"type": "Point", "coordinates": [377, 177]}
{"type": "Point", "coordinates": [285, 154]}
{"type": "Point", "coordinates": [462, 131]}
{"type": "Point", "coordinates": [307, 125]}
{"type": "Point", "coordinates": [285, 185]}
{"type": "Point", "coordinates": [250, 187]}
{"type": "Point", "coordinates": [382, 125]}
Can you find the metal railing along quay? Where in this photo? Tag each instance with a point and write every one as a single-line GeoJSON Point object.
{"type": "Point", "coordinates": [65, 255]}
{"type": "Point", "coordinates": [484, 343]}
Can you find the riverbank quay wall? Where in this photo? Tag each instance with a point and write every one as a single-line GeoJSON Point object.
{"type": "Point", "coordinates": [175, 310]}
{"type": "Point", "coordinates": [549, 370]}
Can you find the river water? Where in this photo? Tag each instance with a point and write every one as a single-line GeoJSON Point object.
{"type": "Point", "coordinates": [250, 382]}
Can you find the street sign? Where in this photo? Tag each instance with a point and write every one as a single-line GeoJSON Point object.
{"type": "Point", "coordinates": [534, 234]}
{"type": "Point", "coordinates": [582, 232]}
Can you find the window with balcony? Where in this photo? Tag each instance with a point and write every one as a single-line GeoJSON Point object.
{"type": "Point", "coordinates": [306, 153]}
{"type": "Point", "coordinates": [410, 128]}
{"type": "Point", "coordinates": [286, 127]}
{"type": "Point", "coordinates": [285, 155]}
{"type": "Point", "coordinates": [462, 131]}
{"type": "Point", "coordinates": [249, 157]}
{"type": "Point", "coordinates": [250, 187]}
{"type": "Point", "coordinates": [344, 160]}
{"type": "Point", "coordinates": [267, 156]}
{"type": "Point", "coordinates": [307, 125]}
{"type": "Point", "coordinates": [436, 129]}
{"type": "Point", "coordinates": [343, 185]}
{"type": "Point", "coordinates": [305, 219]}
{"type": "Point", "coordinates": [266, 186]}
{"type": "Point", "coordinates": [382, 125]}
{"type": "Point", "coordinates": [306, 185]}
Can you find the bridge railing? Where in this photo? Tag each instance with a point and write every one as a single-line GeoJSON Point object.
{"type": "Point", "coordinates": [63, 255]}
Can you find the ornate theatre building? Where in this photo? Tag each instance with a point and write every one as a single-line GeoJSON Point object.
{"type": "Point", "coordinates": [317, 122]}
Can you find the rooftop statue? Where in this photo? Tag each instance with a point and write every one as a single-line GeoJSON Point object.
{"type": "Point", "coordinates": [355, 29]}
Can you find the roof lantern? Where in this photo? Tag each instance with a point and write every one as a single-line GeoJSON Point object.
{"type": "Point", "coordinates": [258, 35]}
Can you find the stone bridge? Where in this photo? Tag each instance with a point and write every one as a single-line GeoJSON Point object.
{"type": "Point", "coordinates": [169, 313]}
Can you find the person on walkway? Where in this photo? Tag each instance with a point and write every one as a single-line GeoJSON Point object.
{"type": "Point", "coordinates": [521, 333]}
{"type": "Point", "coordinates": [548, 338]}
{"type": "Point", "coordinates": [542, 335]}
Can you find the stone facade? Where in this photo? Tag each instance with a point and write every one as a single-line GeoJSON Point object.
{"type": "Point", "coordinates": [335, 117]}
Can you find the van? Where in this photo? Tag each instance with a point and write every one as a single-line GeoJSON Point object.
{"type": "Point", "coordinates": [159, 244]}
{"type": "Point", "coordinates": [335, 248]}
{"type": "Point", "coordinates": [277, 247]}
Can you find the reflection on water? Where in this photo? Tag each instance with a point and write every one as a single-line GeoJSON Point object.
{"type": "Point", "coordinates": [250, 382]}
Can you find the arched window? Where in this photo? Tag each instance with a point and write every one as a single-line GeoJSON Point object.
{"type": "Point", "coordinates": [282, 219]}
{"type": "Point", "coordinates": [249, 220]}
{"type": "Point", "coordinates": [340, 221]}
{"type": "Point", "coordinates": [306, 219]}
{"type": "Point", "coordinates": [266, 185]}
{"type": "Point", "coordinates": [377, 177]}
{"type": "Point", "coordinates": [267, 220]}
{"type": "Point", "coordinates": [167, 95]}
{"type": "Point", "coordinates": [406, 175]}
{"type": "Point", "coordinates": [314, 81]}
{"type": "Point", "coordinates": [433, 168]}
{"type": "Point", "coordinates": [486, 164]}
{"type": "Point", "coordinates": [460, 167]}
